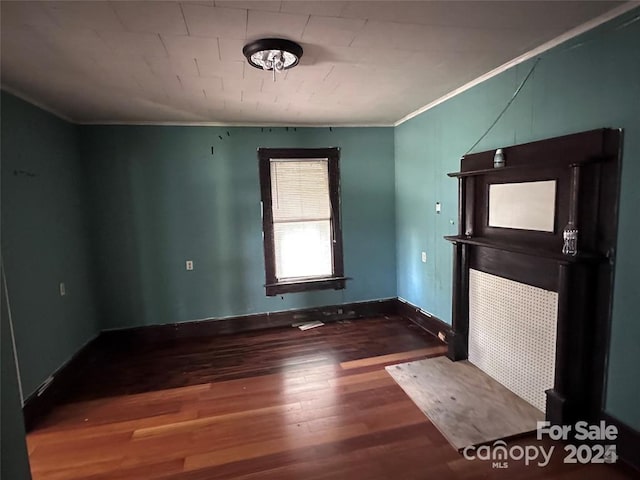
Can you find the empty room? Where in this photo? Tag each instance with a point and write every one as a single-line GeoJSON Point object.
{"type": "Point", "coordinates": [320, 240]}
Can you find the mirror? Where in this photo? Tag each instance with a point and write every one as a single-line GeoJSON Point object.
{"type": "Point", "coordinates": [525, 206]}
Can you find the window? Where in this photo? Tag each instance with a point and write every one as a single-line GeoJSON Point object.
{"type": "Point", "coordinates": [301, 219]}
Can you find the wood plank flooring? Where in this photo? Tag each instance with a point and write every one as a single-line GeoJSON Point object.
{"type": "Point", "coordinates": [279, 404]}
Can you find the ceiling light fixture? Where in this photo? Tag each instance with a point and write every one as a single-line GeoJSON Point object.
{"type": "Point", "coordinates": [275, 54]}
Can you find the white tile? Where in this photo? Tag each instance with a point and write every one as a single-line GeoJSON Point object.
{"type": "Point", "coordinates": [405, 56]}
{"type": "Point", "coordinates": [198, 84]}
{"type": "Point", "coordinates": [16, 14]}
{"type": "Point", "coordinates": [24, 41]}
{"type": "Point", "coordinates": [214, 107]}
{"type": "Point", "coordinates": [331, 8]}
{"type": "Point", "coordinates": [443, 13]}
{"type": "Point", "coordinates": [134, 44]}
{"type": "Point", "coordinates": [122, 64]}
{"type": "Point", "coordinates": [231, 98]}
{"type": "Point", "coordinates": [253, 97]}
{"type": "Point", "coordinates": [172, 66]}
{"type": "Point", "coordinates": [174, 108]}
{"type": "Point", "coordinates": [75, 41]}
{"type": "Point", "coordinates": [231, 50]}
{"type": "Point", "coordinates": [253, 85]}
{"type": "Point", "coordinates": [332, 31]}
{"type": "Point", "coordinates": [384, 57]}
{"type": "Point", "coordinates": [399, 11]}
{"type": "Point", "coordinates": [285, 93]}
{"type": "Point", "coordinates": [372, 79]}
{"type": "Point", "coordinates": [381, 56]}
{"type": "Point", "coordinates": [249, 72]}
{"type": "Point", "coordinates": [212, 67]}
{"type": "Point", "coordinates": [282, 86]}
{"type": "Point", "coordinates": [109, 73]}
{"type": "Point", "coordinates": [215, 21]}
{"type": "Point", "coordinates": [315, 73]}
{"type": "Point", "coordinates": [151, 17]}
{"type": "Point", "coordinates": [150, 82]}
{"type": "Point", "coordinates": [86, 15]}
{"type": "Point", "coordinates": [185, 47]}
{"type": "Point", "coordinates": [281, 83]}
{"type": "Point", "coordinates": [309, 88]}
{"type": "Point", "coordinates": [393, 35]}
{"type": "Point", "coordinates": [269, 24]}
{"type": "Point", "coordinates": [266, 5]}
{"type": "Point", "coordinates": [323, 99]}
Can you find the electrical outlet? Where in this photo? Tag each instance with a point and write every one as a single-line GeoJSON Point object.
{"type": "Point", "coordinates": [189, 264]}
{"type": "Point", "coordinates": [63, 289]}
{"type": "Point", "coordinates": [423, 256]}
{"type": "Point", "coordinates": [442, 336]}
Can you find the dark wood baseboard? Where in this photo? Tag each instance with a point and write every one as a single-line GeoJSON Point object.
{"type": "Point", "coordinates": [37, 406]}
{"type": "Point", "coordinates": [628, 443]}
{"type": "Point", "coordinates": [247, 323]}
{"type": "Point", "coordinates": [40, 402]}
{"type": "Point", "coordinates": [427, 322]}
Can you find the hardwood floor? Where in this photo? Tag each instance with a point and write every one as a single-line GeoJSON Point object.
{"type": "Point", "coordinates": [279, 404]}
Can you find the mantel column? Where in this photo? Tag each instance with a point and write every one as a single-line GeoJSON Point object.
{"type": "Point", "coordinates": [459, 341]}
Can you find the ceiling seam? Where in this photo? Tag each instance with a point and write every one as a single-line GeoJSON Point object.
{"type": "Point", "coordinates": [184, 19]}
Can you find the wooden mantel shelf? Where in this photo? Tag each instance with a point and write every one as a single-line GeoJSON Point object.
{"type": "Point", "coordinates": [583, 257]}
{"type": "Point", "coordinates": [484, 171]}
{"type": "Point", "coordinates": [527, 166]}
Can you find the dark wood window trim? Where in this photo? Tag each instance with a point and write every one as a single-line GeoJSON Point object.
{"type": "Point", "coordinates": [337, 280]}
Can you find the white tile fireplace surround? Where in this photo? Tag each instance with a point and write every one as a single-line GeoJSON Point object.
{"type": "Point", "coordinates": [512, 334]}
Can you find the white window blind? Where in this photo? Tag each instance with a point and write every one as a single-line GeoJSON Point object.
{"type": "Point", "coordinates": [301, 210]}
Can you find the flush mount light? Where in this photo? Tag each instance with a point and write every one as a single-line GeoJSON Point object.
{"type": "Point", "coordinates": [275, 54]}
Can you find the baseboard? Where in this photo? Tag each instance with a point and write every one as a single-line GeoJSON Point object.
{"type": "Point", "coordinates": [247, 323]}
{"type": "Point", "coordinates": [426, 321]}
{"type": "Point", "coordinates": [39, 403]}
{"type": "Point", "coordinates": [627, 444]}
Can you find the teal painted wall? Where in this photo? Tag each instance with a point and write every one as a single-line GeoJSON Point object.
{"type": "Point", "coordinates": [14, 461]}
{"type": "Point", "coordinates": [116, 217]}
{"type": "Point", "coordinates": [44, 239]}
{"type": "Point", "coordinates": [596, 84]}
{"type": "Point", "coordinates": [160, 198]}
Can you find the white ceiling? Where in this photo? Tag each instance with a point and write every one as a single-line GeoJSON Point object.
{"type": "Point", "coordinates": [364, 62]}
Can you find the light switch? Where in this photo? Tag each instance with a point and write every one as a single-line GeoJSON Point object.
{"type": "Point", "coordinates": [438, 207]}
{"type": "Point", "coordinates": [63, 289]}
{"type": "Point", "coordinates": [424, 257]}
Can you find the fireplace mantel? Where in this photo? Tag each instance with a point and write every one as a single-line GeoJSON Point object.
{"type": "Point", "coordinates": [586, 170]}
{"type": "Point", "coordinates": [580, 257]}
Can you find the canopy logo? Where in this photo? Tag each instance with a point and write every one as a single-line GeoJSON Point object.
{"type": "Point", "coordinates": [499, 454]}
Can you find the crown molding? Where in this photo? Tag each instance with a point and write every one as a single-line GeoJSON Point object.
{"type": "Point", "coordinates": [568, 35]}
{"type": "Point", "coordinates": [36, 103]}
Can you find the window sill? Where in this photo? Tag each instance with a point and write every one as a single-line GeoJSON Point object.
{"type": "Point", "coordinates": [307, 285]}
